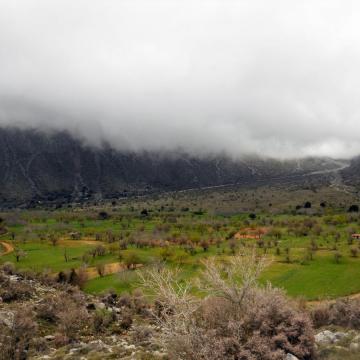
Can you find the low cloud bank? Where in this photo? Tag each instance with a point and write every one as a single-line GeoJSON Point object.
{"type": "Point", "coordinates": [273, 78]}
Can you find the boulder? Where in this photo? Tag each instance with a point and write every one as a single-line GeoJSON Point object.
{"type": "Point", "coordinates": [354, 347]}
{"type": "Point", "coordinates": [328, 337]}
{"type": "Point", "coordinates": [49, 337]}
{"type": "Point", "coordinates": [291, 357]}
{"type": "Point", "coordinates": [7, 318]}
{"type": "Point", "coordinates": [101, 306]}
{"type": "Point", "coordinates": [356, 339]}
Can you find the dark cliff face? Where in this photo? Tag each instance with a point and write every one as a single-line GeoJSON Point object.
{"type": "Point", "coordinates": [35, 166]}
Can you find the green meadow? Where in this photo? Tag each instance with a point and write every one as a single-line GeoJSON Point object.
{"type": "Point", "coordinates": [312, 253]}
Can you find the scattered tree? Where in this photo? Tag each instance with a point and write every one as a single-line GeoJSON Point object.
{"type": "Point", "coordinates": [19, 254]}
{"type": "Point", "coordinates": [353, 208]}
{"type": "Point", "coordinates": [307, 205]}
{"type": "Point", "coordinates": [337, 257]}
{"type": "Point", "coordinates": [100, 268]}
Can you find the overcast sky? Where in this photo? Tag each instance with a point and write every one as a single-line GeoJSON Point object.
{"type": "Point", "coordinates": [278, 78]}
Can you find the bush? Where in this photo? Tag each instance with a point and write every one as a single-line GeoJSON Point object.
{"type": "Point", "coordinates": [48, 309]}
{"type": "Point", "coordinates": [125, 300]}
{"type": "Point", "coordinates": [321, 315]}
{"type": "Point", "coordinates": [126, 321]}
{"type": "Point", "coordinates": [110, 298]}
{"type": "Point", "coordinates": [353, 208]}
{"type": "Point", "coordinates": [131, 259]}
{"type": "Point", "coordinates": [100, 268]}
{"type": "Point", "coordinates": [15, 291]}
{"type": "Point", "coordinates": [103, 215]}
{"type": "Point", "coordinates": [102, 319]}
{"type": "Point", "coordinates": [354, 252]}
{"type": "Point", "coordinates": [66, 310]}
{"type": "Point", "coordinates": [139, 302]}
{"type": "Point", "coordinates": [15, 341]}
{"type": "Point", "coordinates": [237, 320]}
{"type": "Point", "coordinates": [8, 268]}
{"type": "Point", "coordinates": [142, 334]}
{"type": "Point", "coordinates": [337, 257]}
{"type": "Point", "coordinates": [343, 312]}
{"type": "Point", "coordinates": [75, 277]}
{"type": "Point", "coordinates": [72, 320]}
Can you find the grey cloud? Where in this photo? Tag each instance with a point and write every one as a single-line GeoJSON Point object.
{"type": "Point", "coordinates": [275, 78]}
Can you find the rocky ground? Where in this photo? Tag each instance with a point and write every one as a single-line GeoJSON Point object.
{"type": "Point", "coordinates": [138, 340]}
{"type": "Point", "coordinates": [338, 344]}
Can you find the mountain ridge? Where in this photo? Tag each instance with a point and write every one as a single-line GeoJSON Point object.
{"type": "Point", "coordinates": [40, 166]}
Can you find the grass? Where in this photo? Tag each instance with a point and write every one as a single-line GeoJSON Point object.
{"type": "Point", "coordinates": [118, 282]}
{"type": "Point", "coordinates": [321, 278]}
{"type": "Point", "coordinates": [45, 256]}
{"type": "Point", "coordinates": [313, 279]}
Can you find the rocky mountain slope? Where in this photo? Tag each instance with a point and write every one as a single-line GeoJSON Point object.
{"type": "Point", "coordinates": [36, 166]}
{"type": "Point", "coordinates": [351, 175]}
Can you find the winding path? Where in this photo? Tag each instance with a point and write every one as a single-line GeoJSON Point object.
{"type": "Point", "coordinates": [8, 248]}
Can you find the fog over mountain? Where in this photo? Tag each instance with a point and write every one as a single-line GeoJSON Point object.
{"type": "Point", "coordinates": [275, 78]}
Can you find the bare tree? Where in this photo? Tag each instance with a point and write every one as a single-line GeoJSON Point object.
{"type": "Point", "coordinates": [174, 304]}
{"type": "Point", "coordinates": [19, 254]}
{"type": "Point", "coordinates": [237, 318]}
{"type": "Point", "coordinates": [66, 255]}
{"type": "Point", "coordinates": [100, 268]}
{"type": "Point", "coordinates": [241, 272]}
{"type": "Point", "coordinates": [53, 239]}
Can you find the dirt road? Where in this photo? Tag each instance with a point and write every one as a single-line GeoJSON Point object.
{"type": "Point", "coordinates": [8, 248]}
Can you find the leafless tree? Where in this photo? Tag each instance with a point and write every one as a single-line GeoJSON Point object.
{"type": "Point", "coordinates": [236, 319]}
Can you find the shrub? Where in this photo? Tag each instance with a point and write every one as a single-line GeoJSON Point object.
{"type": "Point", "coordinates": [19, 254]}
{"type": "Point", "coordinates": [15, 291]}
{"type": "Point", "coordinates": [100, 268]}
{"type": "Point", "coordinates": [102, 319]}
{"type": "Point", "coordinates": [48, 308]}
{"type": "Point", "coordinates": [76, 277]}
{"type": "Point", "coordinates": [66, 310]}
{"type": "Point", "coordinates": [110, 298]}
{"type": "Point", "coordinates": [72, 320]}
{"type": "Point", "coordinates": [354, 252]}
{"type": "Point", "coordinates": [343, 312]}
{"type": "Point", "coordinates": [139, 301]}
{"type": "Point", "coordinates": [252, 216]}
{"type": "Point", "coordinates": [142, 334]}
{"type": "Point", "coordinates": [337, 257]}
{"type": "Point", "coordinates": [100, 250]}
{"type": "Point", "coordinates": [353, 208]}
{"type": "Point", "coordinates": [237, 320]}
{"type": "Point", "coordinates": [307, 205]}
{"type": "Point", "coordinates": [126, 321]}
{"type": "Point", "coordinates": [8, 268]}
{"type": "Point", "coordinates": [321, 315]}
{"type": "Point", "coordinates": [166, 253]}
{"type": "Point", "coordinates": [131, 259]}
{"type": "Point", "coordinates": [144, 212]}
{"type": "Point", "coordinates": [15, 341]}
{"type": "Point", "coordinates": [125, 300]}
{"type": "Point", "coordinates": [103, 215]}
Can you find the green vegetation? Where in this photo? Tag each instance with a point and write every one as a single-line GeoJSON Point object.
{"type": "Point", "coordinates": [313, 253]}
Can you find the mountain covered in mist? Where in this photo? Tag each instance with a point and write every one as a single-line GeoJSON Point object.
{"type": "Point", "coordinates": [36, 166]}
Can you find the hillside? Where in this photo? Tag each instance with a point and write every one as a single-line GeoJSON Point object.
{"type": "Point", "coordinates": [58, 167]}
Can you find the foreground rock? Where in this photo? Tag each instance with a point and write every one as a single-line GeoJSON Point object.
{"type": "Point", "coordinates": [338, 344]}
